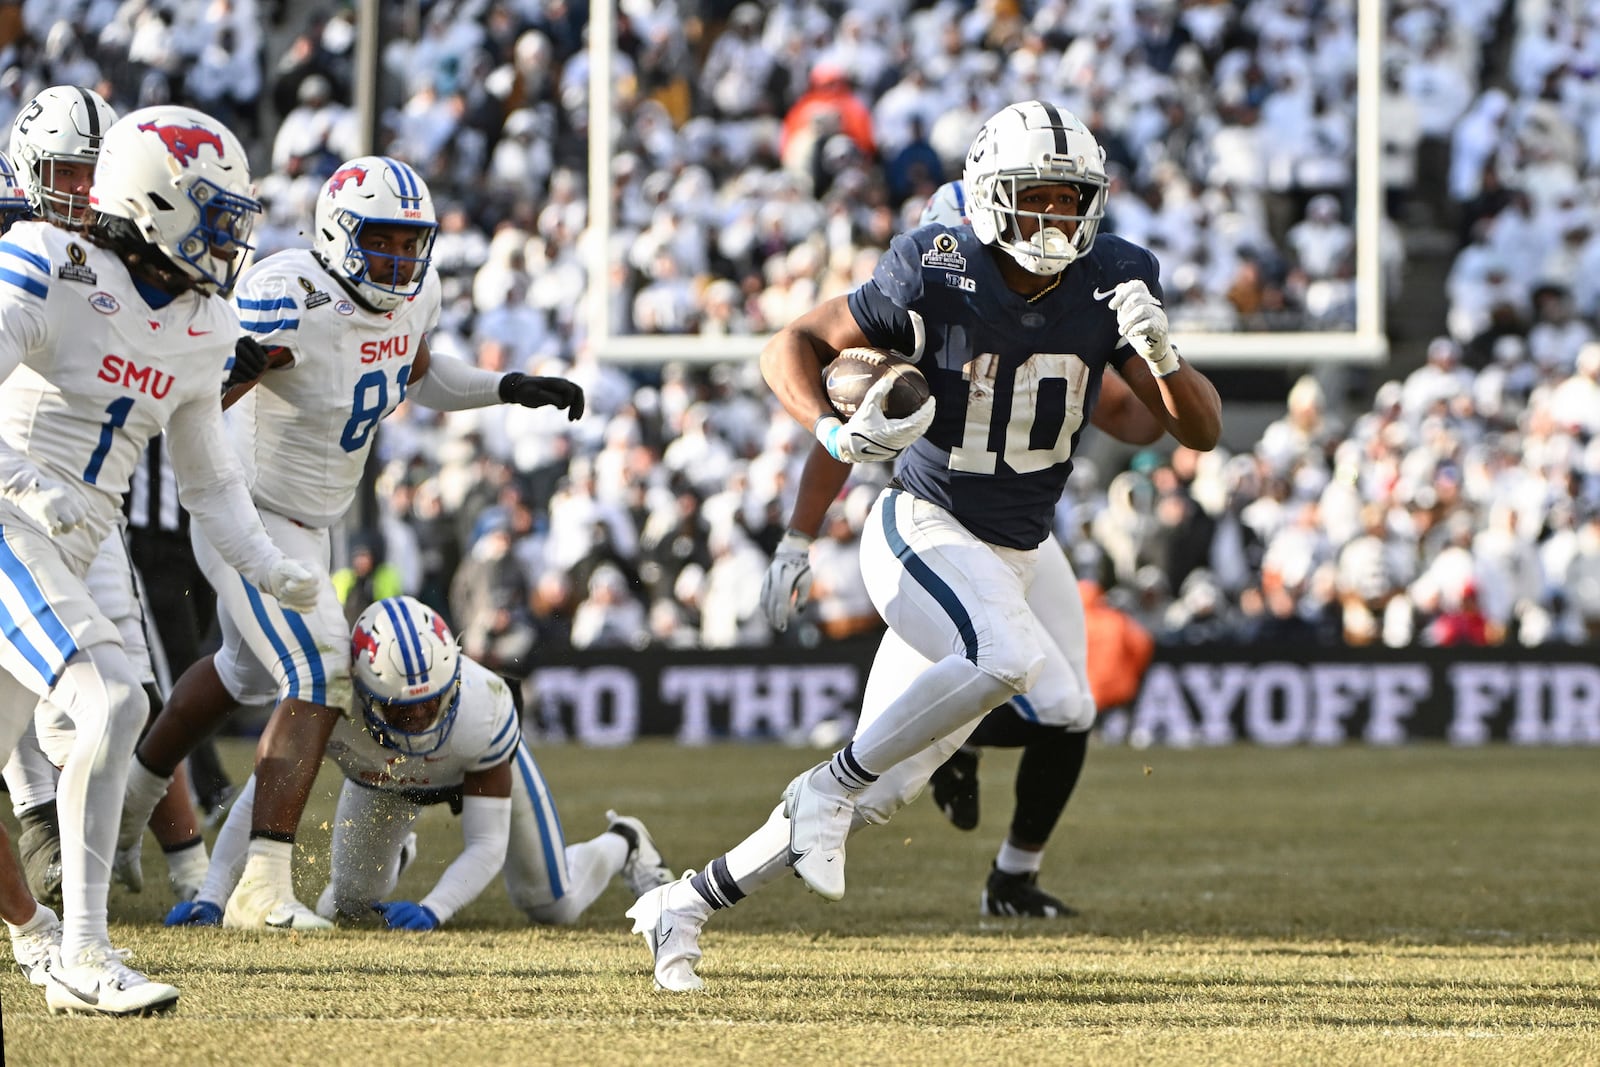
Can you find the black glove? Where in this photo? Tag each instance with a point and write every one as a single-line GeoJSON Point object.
{"type": "Point", "coordinates": [534, 392]}
{"type": "Point", "coordinates": [249, 362]}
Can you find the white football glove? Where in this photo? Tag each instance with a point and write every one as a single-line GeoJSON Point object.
{"type": "Point", "coordinates": [870, 435]}
{"type": "Point", "coordinates": [787, 587]}
{"type": "Point", "coordinates": [293, 584]}
{"type": "Point", "coordinates": [1141, 320]}
{"type": "Point", "coordinates": [53, 506]}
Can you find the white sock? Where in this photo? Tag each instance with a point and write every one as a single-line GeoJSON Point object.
{"type": "Point", "coordinates": [43, 918]}
{"type": "Point", "coordinates": [188, 865]}
{"type": "Point", "coordinates": [145, 790]}
{"type": "Point", "coordinates": [1014, 860]}
{"type": "Point", "coordinates": [269, 861]}
{"type": "Point", "coordinates": [232, 847]}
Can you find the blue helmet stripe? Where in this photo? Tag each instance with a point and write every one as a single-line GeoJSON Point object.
{"type": "Point", "coordinates": [405, 650]}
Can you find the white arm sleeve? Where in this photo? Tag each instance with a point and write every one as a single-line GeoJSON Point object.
{"type": "Point", "coordinates": [455, 385]}
{"type": "Point", "coordinates": [486, 828]}
{"type": "Point", "coordinates": [211, 485]}
{"type": "Point", "coordinates": [22, 327]}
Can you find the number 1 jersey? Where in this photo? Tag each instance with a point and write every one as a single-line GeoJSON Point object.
{"type": "Point", "coordinates": [304, 431]}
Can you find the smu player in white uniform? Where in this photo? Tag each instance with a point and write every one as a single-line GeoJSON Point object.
{"type": "Point", "coordinates": [435, 727]}
{"type": "Point", "coordinates": [107, 339]}
{"type": "Point", "coordinates": [347, 323]}
{"type": "Point", "coordinates": [951, 547]}
{"type": "Point", "coordinates": [1052, 722]}
{"type": "Point", "coordinates": [56, 137]}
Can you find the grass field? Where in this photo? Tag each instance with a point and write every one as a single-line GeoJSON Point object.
{"type": "Point", "coordinates": [1241, 906]}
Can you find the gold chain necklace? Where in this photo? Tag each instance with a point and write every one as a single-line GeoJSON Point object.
{"type": "Point", "coordinates": [1047, 290]}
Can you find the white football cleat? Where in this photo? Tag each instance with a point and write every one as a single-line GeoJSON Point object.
{"type": "Point", "coordinates": [39, 952]}
{"type": "Point", "coordinates": [673, 933]}
{"type": "Point", "coordinates": [126, 868]}
{"type": "Point", "coordinates": [98, 981]}
{"type": "Point", "coordinates": [644, 869]}
{"type": "Point", "coordinates": [261, 905]}
{"type": "Point", "coordinates": [819, 812]}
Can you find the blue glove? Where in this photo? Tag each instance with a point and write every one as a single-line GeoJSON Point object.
{"type": "Point", "coordinates": [405, 915]}
{"type": "Point", "coordinates": [194, 913]}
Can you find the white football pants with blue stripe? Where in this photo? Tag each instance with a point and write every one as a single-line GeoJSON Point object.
{"type": "Point", "coordinates": [552, 882]}
{"type": "Point", "coordinates": [59, 646]}
{"type": "Point", "coordinates": [30, 773]}
{"type": "Point", "coordinates": [269, 654]}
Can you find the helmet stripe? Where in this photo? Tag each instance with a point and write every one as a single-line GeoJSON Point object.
{"type": "Point", "coordinates": [94, 115]}
{"type": "Point", "coordinates": [416, 640]}
{"type": "Point", "coordinates": [405, 649]}
{"type": "Point", "coordinates": [1057, 125]}
{"type": "Point", "coordinates": [404, 178]}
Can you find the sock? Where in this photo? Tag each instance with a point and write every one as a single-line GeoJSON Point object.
{"type": "Point", "coordinates": [269, 860]}
{"type": "Point", "coordinates": [43, 918]}
{"type": "Point", "coordinates": [187, 864]}
{"type": "Point", "coordinates": [848, 772]}
{"type": "Point", "coordinates": [1014, 860]}
{"type": "Point", "coordinates": [1047, 774]}
{"type": "Point", "coordinates": [145, 790]}
{"type": "Point", "coordinates": [752, 863]}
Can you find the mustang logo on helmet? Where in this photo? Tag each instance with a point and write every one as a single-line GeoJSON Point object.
{"type": "Point", "coordinates": [337, 179]}
{"type": "Point", "coordinates": [363, 641]}
{"type": "Point", "coordinates": [185, 142]}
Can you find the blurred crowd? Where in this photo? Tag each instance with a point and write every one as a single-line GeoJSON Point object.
{"type": "Point", "coordinates": [764, 155]}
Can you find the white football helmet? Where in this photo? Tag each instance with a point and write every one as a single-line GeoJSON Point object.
{"type": "Point", "coordinates": [13, 199]}
{"type": "Point", "coordinates": [947, 205]}
{"type": "Point", "coordinates": [63, 124]}
{"type": "Point", "coordinates": [183, 180]}
{"type": "Point", "coordinates": [407, 674]}
{"type": "Point", "coordinates": [1028, 144]}
{"type": "Point", "coordinates": [374, 190]}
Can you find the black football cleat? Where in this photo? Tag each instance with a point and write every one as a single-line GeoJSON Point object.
{"type": "Point", "coordinates": [1019, 896]}
{"type": "Point", "coordinates": [955, 788]}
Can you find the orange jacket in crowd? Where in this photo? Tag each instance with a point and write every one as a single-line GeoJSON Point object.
{"type": "Point", "coordinates": [1120, 650]}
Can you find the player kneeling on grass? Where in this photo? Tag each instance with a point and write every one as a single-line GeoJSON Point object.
{"type": "Point", "coordinates": [435, 727]}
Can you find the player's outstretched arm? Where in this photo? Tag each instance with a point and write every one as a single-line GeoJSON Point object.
{"type": "Point", "coordinates": [1123, 415]}
{"type": "Point", "coordinates": [445, 383]}
{"type": "Point", "coordinates": [787, 587]}
{"type": "Point", "coordinates": [211, 485]}
{"type": "Point", "coordinates": [486, 829]}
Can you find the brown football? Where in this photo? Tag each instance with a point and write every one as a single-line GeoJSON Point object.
{"type": "Point", "coordinates": [856, 370]}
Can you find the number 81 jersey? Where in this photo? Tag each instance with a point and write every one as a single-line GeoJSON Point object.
{"type": "Point", "coordinates": [304, 431]}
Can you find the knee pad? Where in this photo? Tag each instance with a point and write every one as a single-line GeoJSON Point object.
{"type": "Point", "coordinates": [1014, 660]}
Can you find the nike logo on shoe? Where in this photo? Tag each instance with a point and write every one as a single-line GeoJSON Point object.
{"type": "Point", "coordinates": [1098, 295]}
{"type": "Point", "coordinates": [284, 922]}
{"type": "Point", "coordinates": [89, 996]}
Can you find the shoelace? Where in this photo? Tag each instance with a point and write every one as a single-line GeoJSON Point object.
{"type": "Point", "coordinates": [111, 960]}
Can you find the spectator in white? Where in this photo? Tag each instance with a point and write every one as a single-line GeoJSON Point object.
{"type": "Point", "coordinates": [699, 456]}
{"type": "Point", "coordinates": [521, 162]}
{"type": "Point", "coordinates": [225, 78]}
{"type": "Point", "coordinates": [843, 607]}
{"type": "Point", "coordinates": [1322, 243]}
{"type": "Point", "coordinates": [524, 330]}
{"type": "Point", "coordinates": [1501, 390]}
{"type": "Point", "coordinates": [739, 67]}
{"type": "Point", "coordinates": [1507, 564]}
{"type": "Point", "coordinates": [317, 134]}
{"type": "Point", "coordinates": [1479, 136]}
{"type": "Point", "coordinates": [1439, 380]}
{"type": "Point", "coordinates": [1479, 281]}
{"type": "Point", "coordinates": [1574, 404]}
{"type": "Point", "coordinates": [1306, 429]}
{"type": "Point", "coordinates": [610, 616]}
{"type": "Point", "coordinates": [1582, 579]}
{"type": "Point", "coordinates": [914, 97]}
{"type": "Point", "coordinates": [1557, 334]}
{"type": "Point", "coordinates": [730, 606]}
{"type": "Point", "coordinates": [1440, 87]}
{"type": "Point", "coordinates": [459, 247]}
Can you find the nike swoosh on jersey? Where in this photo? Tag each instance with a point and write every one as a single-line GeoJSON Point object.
{"type": "Point", "coordinates": [197, 333]}
{"type": "Point", "coordinates": [1098, 295]}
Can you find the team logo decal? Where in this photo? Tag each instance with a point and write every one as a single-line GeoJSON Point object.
{"type": "Point", "coordinates": [944, 255]}
{"type": "Point", "coordinates": [362, 641]}
{"type": "Point", "coordinates": [344, 307]}
{"type": "Point", "coordinates": [104, 303]}
{"type": "Point", "coordinates": [185, 142]}
{"type": "Point", "coordinates": [962, 282]}
{"type": "Point", "coordinates": [315, 297]}
{"type": "Point", "coordinates": [344, 174]}
{"type": "Point", "coordinates": [78, 270]}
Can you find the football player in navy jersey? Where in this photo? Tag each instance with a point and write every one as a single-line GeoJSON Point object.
{"type": "Point", "coordinates": [1013, 321]}
{"type": "Point", "coordinates": [1054, 748]}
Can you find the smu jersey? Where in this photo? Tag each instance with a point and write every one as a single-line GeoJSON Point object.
{"type": "Point", "coordinates": [485, 734]}
{"type": "Point", "coordinates": [1014, 381]}
{"type": "Point", "coordinates": [102, 372]}
{"type": "Point", "coordinates": [304, 431]}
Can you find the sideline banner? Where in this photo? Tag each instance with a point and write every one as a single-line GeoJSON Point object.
{"type": "Point", "coordinates": [1191, 696]}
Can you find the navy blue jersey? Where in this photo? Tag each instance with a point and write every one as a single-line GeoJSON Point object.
{"type": "Point", "coordinates": [1015, 381]}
